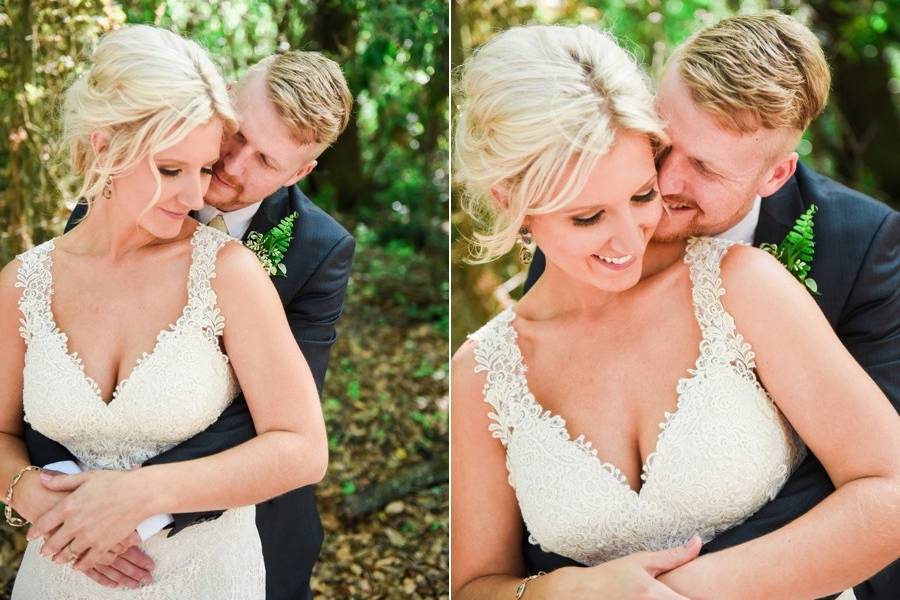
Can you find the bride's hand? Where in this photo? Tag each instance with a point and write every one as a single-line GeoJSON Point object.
{"type": "Point", "coordinates": [92, 521]}
{"type": "Point", "coordinates": [32, 500]}
{"type": "Point", "coordinates": [632, 576]}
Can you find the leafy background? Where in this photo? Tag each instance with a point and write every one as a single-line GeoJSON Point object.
{"type": "Point", "coordinates": [856, 140]}
{"type": "Point", "coordinates": [386, 180]}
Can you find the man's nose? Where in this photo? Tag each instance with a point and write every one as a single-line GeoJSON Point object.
{"type": "Point", "coordinates": [236, 160]}
{"type": "Point", "coordinates": [671, 175]}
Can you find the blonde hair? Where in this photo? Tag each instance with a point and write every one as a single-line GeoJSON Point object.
{"type": "Point", "coordinates": [146, 90]}
{"type": "Point", "coordinates": [748, 71]}
{"type": "Point", "coordinates": [310, 93]}
{"type": "Point", "coordinates": [539, 103]}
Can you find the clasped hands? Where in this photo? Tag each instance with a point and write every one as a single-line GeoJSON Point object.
{"type": "Point", "coordinates": [87, 518]}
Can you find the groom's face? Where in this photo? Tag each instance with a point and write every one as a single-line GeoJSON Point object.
{"type": "Point", "coordinates": [710, 175]}
{"type": "Point", "coordinates": [262, 156]}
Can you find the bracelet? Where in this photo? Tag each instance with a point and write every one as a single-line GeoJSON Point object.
{"type": "Point", "coordinates": [7, 509]}
{"type": "Point", "coordinates": [520, 591]}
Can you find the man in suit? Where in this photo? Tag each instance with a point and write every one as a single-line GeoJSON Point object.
{"type": "Point", "coordinates": [731, 171]}
{"type": "Point", "coordinates": [292, 106]}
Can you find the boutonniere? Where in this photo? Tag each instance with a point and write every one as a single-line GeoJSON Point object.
{"type": "Point", "coordinates": [271, 246]}
{"type": "Point", "coordinates": [797, 249]}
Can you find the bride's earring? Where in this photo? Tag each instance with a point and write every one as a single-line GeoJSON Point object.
{"type": "Point", "coordinates": [526, 252]}
{"type": "Point", "coordinates": [107, 188]}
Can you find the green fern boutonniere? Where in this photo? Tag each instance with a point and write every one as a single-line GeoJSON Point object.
{"type": "Point", "coordinates": [271, 246]}
{"type": "Point", "coordinates": [797, 249]}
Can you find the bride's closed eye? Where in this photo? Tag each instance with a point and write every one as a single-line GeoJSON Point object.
{"type": "Point", "coordinates": [594, 218]}
{"type": "Point", "coordinates": [177, 172]}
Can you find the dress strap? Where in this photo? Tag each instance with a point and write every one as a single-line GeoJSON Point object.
{"type": "Point", "coordinates": [721, 344]}
{"type": "Point", "coordinates": [34, 276]}
{"type": "Point", "coordinates": [202, 311]}
{"type": "Point", "coordinates": [505, 388]}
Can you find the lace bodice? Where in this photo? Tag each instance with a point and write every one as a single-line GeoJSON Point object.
{"type": "Point", "coordinates": [723, 453]}
{"type": "Point", "coordinates": [172, 393]}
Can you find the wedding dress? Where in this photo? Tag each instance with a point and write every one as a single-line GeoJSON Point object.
{"type": "Point", "coordinates": [723, 453]}
{"type": "Point", "coordinates": [172, 393]}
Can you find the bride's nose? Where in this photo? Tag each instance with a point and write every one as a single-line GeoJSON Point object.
{"type": "Point", "coordinates": [192, 194]}
{"type": "Point", "coordinates": [628, 235]}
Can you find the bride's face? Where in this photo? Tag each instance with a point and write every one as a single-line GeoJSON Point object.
{"type": "Point", "coordinates": [601, 236]}
{"type": "Point", "coordinates": [184, 172]}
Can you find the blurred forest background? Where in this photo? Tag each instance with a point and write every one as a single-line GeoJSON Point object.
{"type": "Point", "coordinates": [384, 502]}
{"type": "Point", "coordinates": [856, 140]}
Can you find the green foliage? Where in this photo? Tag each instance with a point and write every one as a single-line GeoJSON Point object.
{"type": "Point", "coordinates": [387, 171]}
{"type": "Point", "coordinates": [797, 249]}
{"type": "Point", "coordinates": [271, 246]}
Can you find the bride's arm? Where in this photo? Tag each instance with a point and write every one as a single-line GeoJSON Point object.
{"type": "Point", "coordinates": [486, 525]}
{"type": "Point", "coordinates": [290, 450]}
{"type": "Point", "coordinates": [30, 499]}
{"type": "Point", "coordinates": [844, 419]}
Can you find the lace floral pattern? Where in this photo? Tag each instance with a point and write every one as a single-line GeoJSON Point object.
{"type": "Point", "coordinates": [171, 394]}
{"type": "Point", "coordinates": [723, 453]}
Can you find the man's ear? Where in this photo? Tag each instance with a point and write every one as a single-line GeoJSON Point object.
{"type": "Point", "coordinates": [99, 142]}
{"type": "Point", "coordinates": [778, 174]}
{"type": "Point", "coordinates": [301, 173]}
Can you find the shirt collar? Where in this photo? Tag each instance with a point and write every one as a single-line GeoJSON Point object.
{"type": "Point", "coordinates": [745, 229]}
{"type": "Point", "coordinates": [237, 221]}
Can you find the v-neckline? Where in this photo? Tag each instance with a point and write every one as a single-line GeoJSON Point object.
{"type": "Point", "coordinates": [77, 361]}
{"type": "Point", "coordinates": [583, 442]}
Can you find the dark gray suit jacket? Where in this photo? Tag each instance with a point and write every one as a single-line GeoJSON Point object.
{"type": "Point", "coordinates": [857, 267]}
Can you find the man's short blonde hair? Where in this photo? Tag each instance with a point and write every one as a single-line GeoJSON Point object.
{"type": "Point", "coordinates": [310, 93]}
{"type": "Point", "coordinates": [748, 71]}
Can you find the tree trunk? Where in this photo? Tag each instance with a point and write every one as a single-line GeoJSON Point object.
{"type": "Point", "coordinates": [334, 33]}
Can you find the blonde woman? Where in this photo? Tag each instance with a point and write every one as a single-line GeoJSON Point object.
{"type": "Point", "coordinates": [134, 331]}
{"type": "Point", "coordinates": [618, 409]}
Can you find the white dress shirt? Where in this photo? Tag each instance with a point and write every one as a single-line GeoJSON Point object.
{"type": "Point", "coordinates": [237, 221]}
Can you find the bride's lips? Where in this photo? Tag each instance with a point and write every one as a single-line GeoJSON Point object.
{"type": "Point", "coordinates": [614, 266]}
{"type": "Point", "coordinates": [178, 216]}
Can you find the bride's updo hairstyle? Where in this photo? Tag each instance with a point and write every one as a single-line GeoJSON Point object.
{"type": "Point", "coordinates": [538, 106]}
{"type": "Point", "coordinates": [147, 89]}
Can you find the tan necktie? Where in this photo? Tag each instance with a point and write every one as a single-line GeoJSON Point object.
{"type": "Point", "coordinates": [218, 222]}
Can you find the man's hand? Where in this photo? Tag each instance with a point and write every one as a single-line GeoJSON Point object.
{"type": "Point", "coordinates": [130, 568]}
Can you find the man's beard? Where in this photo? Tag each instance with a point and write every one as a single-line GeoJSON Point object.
{"type": "Point", "coordinates": [690, 229]}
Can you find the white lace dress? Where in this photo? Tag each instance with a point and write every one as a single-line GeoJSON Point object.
{"type": "Point", "coordinates": [719, 457]}
{"type": "Point", "coordinates": [172, 393]}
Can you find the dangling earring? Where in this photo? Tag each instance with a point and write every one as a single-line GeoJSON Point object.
{"type": "Point", "coordinates": [107, 188]}
{"type": "Point", "coordinates": [526, 252]}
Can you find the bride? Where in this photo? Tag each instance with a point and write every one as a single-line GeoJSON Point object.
{"type": "Point", "coordinates": [90, 360]}
{"type": "Point", "coordinates": [621, 415]}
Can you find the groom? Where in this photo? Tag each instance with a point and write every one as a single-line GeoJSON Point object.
{"type": "Point", "coordinates": [292, 106]}
{"type": "Point", "coordinates": [734, 121]}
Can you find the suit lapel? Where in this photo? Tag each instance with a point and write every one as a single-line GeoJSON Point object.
{"type": "Point", "coordinates": [272, 210]}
